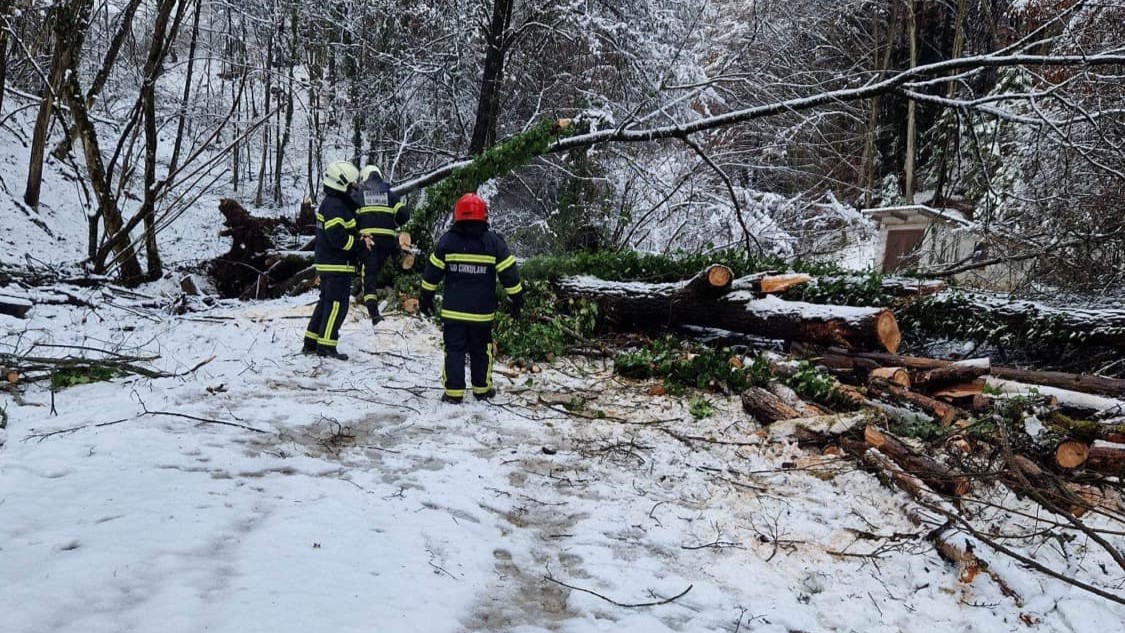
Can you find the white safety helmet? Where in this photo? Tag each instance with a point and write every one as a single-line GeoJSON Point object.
{"type": "Point", "coordinates": [366, 172]}
{"type": "Point", "coordinates": [340, 174]}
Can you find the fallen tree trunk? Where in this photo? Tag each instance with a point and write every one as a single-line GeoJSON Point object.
{"type": "Point", "coordinates": [1025, 478]}
{"type": "Point", "coordinates": [1073, 325]}
{"type": "Point", "coordinates": [15, 306]}
{"type": "Point", "coordinates": [842, 358]}
{"type": "Point", "coordinates": [635, 304]}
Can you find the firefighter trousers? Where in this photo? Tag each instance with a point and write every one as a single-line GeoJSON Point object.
{"type": "Point", "coordinates": [328, 316]}
{"type": "Point", "coordinates": [372, 262]}
{"type": "Point", "coordinates": [476, 341]}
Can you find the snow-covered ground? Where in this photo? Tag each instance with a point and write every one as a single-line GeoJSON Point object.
{"type": "Point", "coordinates": [358, 502]}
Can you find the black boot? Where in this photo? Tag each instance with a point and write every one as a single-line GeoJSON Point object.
{"type": "Point", "coordinates": [330, 352]}
{"type": "Point", "coordinates": [488, 395]}
{"type": "Point", "coordinates": [452, 399]}
{"type": "Point", "coordinates": [309, 346]}
{"type": "Point", "coordinates": [373, 310]}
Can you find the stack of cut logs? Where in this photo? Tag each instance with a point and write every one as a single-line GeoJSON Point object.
{"type": "Point", "coordinates": [1073, 437]}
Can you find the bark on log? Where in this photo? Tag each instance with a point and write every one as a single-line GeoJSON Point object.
{"type": "Point", "coordinates": [635, 304]}
{"type": "Point", "coordinates": [1108, 459]}
{"type": "Point", "coordinates": [766, 407]}
{"type": "Point", "coordinates": [769, 283]}
{"type": "Point", "coordinates": [1025, 478]}
{"type": "Point", "coordinates": [933, 473]}
{"type": "Point", "coordinates": [15, 306]}
{"type": "Point", "coordinates": [1088, 431]}
{"type": "Point", "coordinates": [943, 412]}
{"type": "Point", "coordinates": [965, 371]}
{"type": "Point", "coordinates": [844, 358]}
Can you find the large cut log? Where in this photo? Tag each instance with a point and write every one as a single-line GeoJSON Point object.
{"type": "Point", "coordinates": [766, 407]}
{"type": "Point", "coordinates": [842, 358]}
{"type": "Point", "coordinates": [936, 475]}
{"type": "Point", "coordinates": [15, 306]}
{"type": "Point", "coordinates": [636, 304]}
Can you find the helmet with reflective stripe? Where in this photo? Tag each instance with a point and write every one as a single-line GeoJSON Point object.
{"type": "Point", "coordinates": [366, 172]}
{"type": "Point", "coordinates": [340, 174]}
{"type": "Point", "coordinates": [470, 207]}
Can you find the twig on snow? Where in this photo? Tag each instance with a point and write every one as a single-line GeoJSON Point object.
{"type": "Point", "coordinates": [621, 604]}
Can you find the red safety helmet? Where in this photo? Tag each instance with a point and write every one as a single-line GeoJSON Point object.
{"type": "Point", "coordinates": [470, 207]}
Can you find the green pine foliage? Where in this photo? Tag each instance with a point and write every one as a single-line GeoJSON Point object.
{"type": "Point", "coordinates": [691, 365]}
{"type": "Point", "coordinates": [498, 160]}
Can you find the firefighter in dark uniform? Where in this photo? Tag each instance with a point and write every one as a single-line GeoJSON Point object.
{"type": "Point", "coordinates": [379, 216]}
{"type": "Point", "coordinates": [336, 249]}
{"type": "Point", "coordinates": [470, 257]}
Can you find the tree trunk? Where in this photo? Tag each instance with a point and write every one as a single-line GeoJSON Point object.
{"type": "Point", "coordinates": [911, 118]}
{"type": "Point", "coordinates": [182, 116]}
{"type": "Point", "coordinates": [634, 304]}
{"type": "Point", "coordinates": [955, 373]}
{"type": "Point", "coordinates": [70, 28]}
{"type": "Point", "coordinates": [484, 130]}
{"type": "Point", "coordinates": [60, 60]}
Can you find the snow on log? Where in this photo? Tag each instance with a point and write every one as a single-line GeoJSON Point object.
{"type": "Point", "coordinates": [1105, 326]}
{"type": "Point", "coordinates": [1066, 398]}
{"type": "Point", "coordinates": [700, 302]}
{"type": "Point", "coordinates": [15, 306]}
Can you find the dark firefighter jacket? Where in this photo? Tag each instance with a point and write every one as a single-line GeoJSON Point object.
{"type": "Point", "coordinates": [336, 240]}
{"type": "Point", "coordinates": [380, 212]}
{"type": "Point", "coordinates": [470, 257]}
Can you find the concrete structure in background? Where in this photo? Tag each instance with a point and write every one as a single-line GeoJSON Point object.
{"type": "Point", "coordinates": [923, 237]}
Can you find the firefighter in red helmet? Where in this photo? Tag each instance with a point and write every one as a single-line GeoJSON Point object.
{"type": "Point", "coordinates": [469, 258]}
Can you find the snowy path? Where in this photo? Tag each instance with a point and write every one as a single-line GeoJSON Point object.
{"type": "Point", "coordinates": [366, 505]}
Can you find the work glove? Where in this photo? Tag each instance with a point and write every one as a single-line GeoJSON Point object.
{"type": "Point", "coordinates": [516, 306]}
{"type": "Point", "coordinates": [426, 304]}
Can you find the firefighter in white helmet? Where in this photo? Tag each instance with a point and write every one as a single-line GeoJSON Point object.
{"type": "Point", "coordinates": [336, 246]}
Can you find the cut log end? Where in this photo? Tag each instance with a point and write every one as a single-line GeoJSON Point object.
{"type": "Point", "coordinates": [1071, 454]}
{"type": "Point", "coordinates": [886, 330]}
{"type": "Point", "coordinates": [719, 276]}
{"type": "Point", "coordinates": [897, 375]}
{"type": "Point", "coordinates": [772, 284]}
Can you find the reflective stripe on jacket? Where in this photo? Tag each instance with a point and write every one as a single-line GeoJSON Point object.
{"type": "Point", "coordinates": [380, 212]}
{"type": "Point", "coordinates": [470, 258]}
{"type": "Point", "coordinates": [336, 239]}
